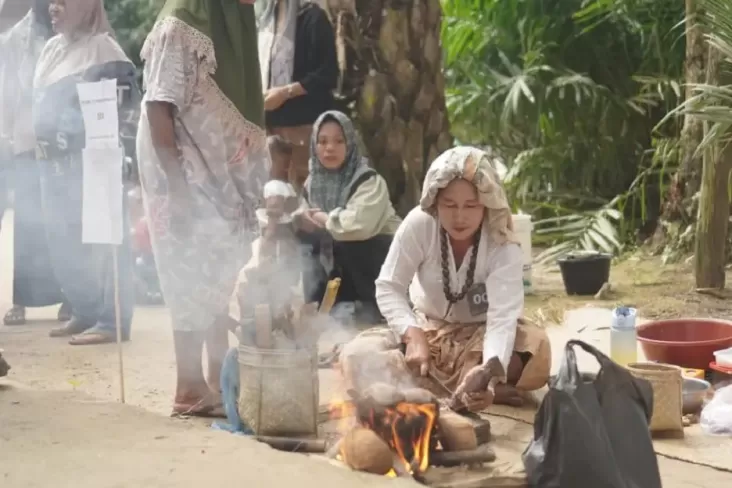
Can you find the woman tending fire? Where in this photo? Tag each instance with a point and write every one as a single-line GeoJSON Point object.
{"type": "Point", "coordinates": [457, 328]}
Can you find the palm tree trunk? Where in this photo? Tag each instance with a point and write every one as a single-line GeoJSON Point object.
{"type": "Point", "coordinates": [714, 207]}
{"type": "Point", "coordinates": [680, 204]}
{"type": "Point", "coordinates": [393, 86]}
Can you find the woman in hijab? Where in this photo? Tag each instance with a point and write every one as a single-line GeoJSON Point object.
{"type": "Point", "coordinates": [34, 284]}
{"type": "Point", "coordinates": [348, 219]}
{"type": "Point", "coordinates": [463, 326]}
{"type": "Point", "coordinates": [203, 164]}
{"type": "Point", "coordinates": [299, 67]}
{"type": "Point", "coordinates": [84, 50]}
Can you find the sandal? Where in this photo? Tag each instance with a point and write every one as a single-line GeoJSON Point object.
{"type": "Point", "coordinates": [64, 313]}
{"type": "Point", "coordinates": [201, 409]}
{"type": "Point", "coordinates": [15, 316]}
{"type": "Point", "coordinates": [70, 328]}
{"type": "Point", "coordinates": [96, 335]}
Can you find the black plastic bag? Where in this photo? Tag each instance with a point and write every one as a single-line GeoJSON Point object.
{"type": "Point", "coordinates": [593, 433]}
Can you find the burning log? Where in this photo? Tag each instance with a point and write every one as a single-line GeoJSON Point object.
{"type": "Point", "coordinates": [293, 444]}
{"type": "Point", "coordinates": [406, 428]}
{"type": "Point", "coordinates": [479, 455]}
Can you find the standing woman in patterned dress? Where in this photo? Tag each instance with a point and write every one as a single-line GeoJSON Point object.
{"type": "Point", "coordinates": [203, 162]}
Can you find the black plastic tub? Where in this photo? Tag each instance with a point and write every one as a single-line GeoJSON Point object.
{"type": "Point", "coordinates": [583, 273]}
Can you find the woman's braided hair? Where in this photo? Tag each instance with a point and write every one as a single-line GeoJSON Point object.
{"type": "Point", "coordinates": [451, 297]}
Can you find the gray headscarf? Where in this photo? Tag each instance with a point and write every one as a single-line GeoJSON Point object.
{"type": "Point", "coordinates": [330, 189]}
{"type": "Point", "coordinates": [277, 49]}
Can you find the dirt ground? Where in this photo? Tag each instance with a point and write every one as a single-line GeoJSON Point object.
{"type": "Point", "coordinates": [43, 364]}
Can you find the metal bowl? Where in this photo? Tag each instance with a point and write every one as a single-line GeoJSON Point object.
{"type": "Point", "coordinates": [694, 391]}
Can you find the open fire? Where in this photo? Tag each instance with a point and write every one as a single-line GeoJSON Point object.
{"type": "Point", "coordinates": [407, 428]}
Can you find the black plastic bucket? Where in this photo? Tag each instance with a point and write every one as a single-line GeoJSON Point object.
{"type": "Point", "coordinates": [584, 274]}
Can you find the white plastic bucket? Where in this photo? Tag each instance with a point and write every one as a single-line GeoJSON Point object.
{"type": "Point", "coordinates": [522, 228]}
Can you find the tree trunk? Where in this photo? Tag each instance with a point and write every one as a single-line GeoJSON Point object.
{"type": "Point", "coordinates": [714, 208]}
{"type": "Point", "coordinates": [680, 204]}
{"type": "Point", "coordinates": [392, 83]}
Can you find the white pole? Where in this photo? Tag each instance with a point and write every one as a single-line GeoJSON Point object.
{"type": "Point", "coordinates": [118, 323]}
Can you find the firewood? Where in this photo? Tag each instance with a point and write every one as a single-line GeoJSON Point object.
{"type": "Point", "coordinates": [363, 450]}
{"type": "Point", "coordinates": [456, 432]}
{"type": "Point", "coordinates": [331, 292]}
{"type": "Point", "coordinates": [315, 446]}
{"type": "Point", "coordinates": [479, 455]}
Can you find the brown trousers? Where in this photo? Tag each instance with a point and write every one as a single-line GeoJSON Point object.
{"type": "Point", "coordinates": [296, 172]}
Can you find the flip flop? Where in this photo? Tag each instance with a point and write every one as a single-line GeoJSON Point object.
{"type": "Point", "coordinates": [200, 409]}
{"type": "Point", "coordinates": [91, 338]}
{"type": "Point", "coordinates": [70, 328]}
{"type": "Point", "coordinates": [15, 316]}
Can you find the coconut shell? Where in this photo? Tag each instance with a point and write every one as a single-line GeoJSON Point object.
{"type": "Point", "coordinates": [363, 450]}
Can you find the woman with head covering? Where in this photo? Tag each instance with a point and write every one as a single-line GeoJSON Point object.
{"type": "Point", "coordinates": [34, 284]}
{"type": "Point", "coordinates": [299, 67]}
{"type": "Point", "coordinates": [458, 252]}
{"type": "Point", "coordinates": [84, 50]}
{"type": "Point", "coordinates": [203, 163]}
{"type": "Point", "coordinates": [349, 220]}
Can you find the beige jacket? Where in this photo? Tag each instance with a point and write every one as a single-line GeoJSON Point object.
{"type": "Point", "coordinates": [368, 213]}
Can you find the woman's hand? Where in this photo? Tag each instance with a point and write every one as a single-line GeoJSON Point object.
{"type": "Point", "coordinates": [306, 221]}
{"type": "Point", "coordinates": [477, 390]}
{"type": "Point", "coordinates": [473, 392]}
{"type": "Point", "coordinates": [417, 355]}
{"type": "Point", "coordinates": [274, 98]}
{"type": "Point", "coordinates": [320, 218]}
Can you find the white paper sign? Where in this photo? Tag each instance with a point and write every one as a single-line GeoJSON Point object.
{"type": "Point", "coordinates": [102, 220]}
{"type": "Point", "coordinates": [99, 108]}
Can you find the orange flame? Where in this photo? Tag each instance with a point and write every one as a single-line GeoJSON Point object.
{"type": "Point", "coordinates": [407, 428]}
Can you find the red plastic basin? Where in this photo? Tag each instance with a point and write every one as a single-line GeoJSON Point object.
{"type": "Point", "coordinates": [689, 343]}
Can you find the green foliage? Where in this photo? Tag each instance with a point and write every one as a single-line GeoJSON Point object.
{"type": "Point", "coordinates": [712, 103]}
{"type": "Point", "coordinates": [569, 94]}
{"type": "Point", "coordinates": [132, 21]}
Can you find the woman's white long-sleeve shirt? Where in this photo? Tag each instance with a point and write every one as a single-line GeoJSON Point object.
{"type": "Point", "coordinates": [413, 265]}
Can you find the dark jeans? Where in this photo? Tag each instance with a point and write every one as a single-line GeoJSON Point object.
{"type": "Point", "coordinates": [356, 263]}
{"type": "Point", "coordinates": [84, 271]}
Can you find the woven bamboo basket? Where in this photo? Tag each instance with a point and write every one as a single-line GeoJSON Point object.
{"type": "Point", "coordinates": [666, 381]}
{"type": "Point", "coordinates": [279, 391]}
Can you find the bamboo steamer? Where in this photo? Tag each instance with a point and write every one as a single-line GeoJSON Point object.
{"type": "Point", "coordinates": [278, 389]}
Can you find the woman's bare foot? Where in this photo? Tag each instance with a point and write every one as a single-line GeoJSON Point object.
{"type": "Point", "coordinates": [198, 404]}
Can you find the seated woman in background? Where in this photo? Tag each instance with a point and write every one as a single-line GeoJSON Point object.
{"type": "Point", "coordinates": [347, 217]}
{"type": "Point", "coordinates": [459, 253]}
